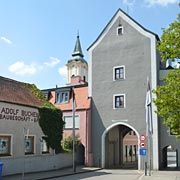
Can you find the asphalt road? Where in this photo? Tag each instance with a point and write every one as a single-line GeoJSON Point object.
{"type": "Point", "coordinates": [105, 174]}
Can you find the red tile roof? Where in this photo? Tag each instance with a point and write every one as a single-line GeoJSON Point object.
{"type": "Point", "coordinates": [15, 92]}
{"type": "Point", "coordinates": [81, 96]}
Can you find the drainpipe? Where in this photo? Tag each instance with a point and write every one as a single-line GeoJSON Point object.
{"type": "Point", "coordinates": [86, 158]}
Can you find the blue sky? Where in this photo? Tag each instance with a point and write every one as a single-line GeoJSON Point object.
{"type": "Point", "coordinates": [37, 37]}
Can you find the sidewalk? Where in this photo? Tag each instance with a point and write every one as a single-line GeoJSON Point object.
{"type": "Point", "coordinates": [162, 175]}
{"type": "Point", "coordinates": [155, 175]}
{"type": "Point", "coordinates": [50, 174]}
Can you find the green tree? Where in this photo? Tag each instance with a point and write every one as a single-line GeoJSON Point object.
{"type": "Point", "coordinates": [168, 95]}
{"type": "Point", "coordinates": [50, 121]}
{"type": "Point", "coordinates": [168, 101]}
{"type": "Point", "coordinates": [68, 143]}
{"type": "Point", "coordinates": [169, 46]}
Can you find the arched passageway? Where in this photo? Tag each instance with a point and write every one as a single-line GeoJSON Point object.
{"type": "Point", "coordinates": [120, 147]}
{"type": "Point", "coordinates": [169, 158]}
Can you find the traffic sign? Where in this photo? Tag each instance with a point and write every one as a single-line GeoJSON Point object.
{"type": "Point", "coordinates": [142, 145]}
{"type": "Point", "coordinates": [142, 137]}
{"type": "Point", "coordinates": [142, 152]}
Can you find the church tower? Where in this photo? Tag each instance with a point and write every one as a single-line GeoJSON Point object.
{"type": "Point", "coordinates": [77, 66]}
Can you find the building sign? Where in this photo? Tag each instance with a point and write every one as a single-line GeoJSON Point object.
{"type": "Point", "coordinates": [142, 152]}
{"type": "Point", "coordinates": [16, 114]}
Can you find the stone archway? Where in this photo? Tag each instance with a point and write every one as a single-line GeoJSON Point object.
{"type": "Point", "coordinates": [113, 145]}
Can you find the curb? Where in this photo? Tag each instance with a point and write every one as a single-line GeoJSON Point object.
{"type": "Point", "coordinates": [69, 174]}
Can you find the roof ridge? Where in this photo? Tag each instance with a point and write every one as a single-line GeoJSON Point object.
{"type": "Point", "coordinates": [11, 80]}
{"type": "Point", "coordinates": [64, 87]}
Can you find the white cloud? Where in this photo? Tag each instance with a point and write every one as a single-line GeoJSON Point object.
{"type": "Point", "coordinates": [53, 62]}
{"type": "Point", "coordinates": [63, 71]}
{"type": "Point", "coordinates": [6, 40]}
{"type": "Point", "coordinates": [160, 2]}
{"type": "Point", "coordinates": [20, 68]}
{"type": "Point", "coordinates": [129, 2]}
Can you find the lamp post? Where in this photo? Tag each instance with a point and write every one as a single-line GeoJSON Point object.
{"type": "Point", "coordinates": [73, 133]}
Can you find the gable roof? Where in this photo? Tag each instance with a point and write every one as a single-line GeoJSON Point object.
{"type": "Point", "coordinates": [16, 92]}
{"type": "Point", "coordinates": [125, 15]}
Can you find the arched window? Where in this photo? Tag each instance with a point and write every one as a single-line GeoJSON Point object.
{"type": "Point", "coordinates": [73, 70]}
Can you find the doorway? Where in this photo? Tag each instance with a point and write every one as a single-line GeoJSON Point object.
{"type": "Point", "coordinates": [170, 158]}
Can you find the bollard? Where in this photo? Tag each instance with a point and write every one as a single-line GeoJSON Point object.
{"type": "Point", "coordinates": [74, 167]}
{"type": "Point", "coordinates": [145, 168]}
{"type": "Point", "coordinates": [99, 163]}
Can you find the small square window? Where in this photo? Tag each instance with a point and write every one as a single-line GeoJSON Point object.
{"type": "Point", "coordinates": [62, 97]}
{"type": "Point", "coordinates": [119, 73]}
{"type": "Point", "coordinates": [5, 145]}
{"type": "Point", "coordinates": [68, 119]}
{"type": "Point", "coordinates": [120, 30]}
{"type": "Point", "coordinates": [29, 145]}
{"type": "Point", "coordinates": [119, 101]}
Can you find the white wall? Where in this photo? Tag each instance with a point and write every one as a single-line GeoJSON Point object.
{"type": "Point", "coordinates": [35, 163]}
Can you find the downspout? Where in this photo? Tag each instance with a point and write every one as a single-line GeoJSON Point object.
{"type": "Point", "coordinates": [86, 159]}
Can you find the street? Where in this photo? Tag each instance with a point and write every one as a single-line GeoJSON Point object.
{"type": "Point", "coordinates": [105, 174]}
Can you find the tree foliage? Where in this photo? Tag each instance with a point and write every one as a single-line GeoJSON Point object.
{"type": "Point", "coordinates": [50, 120]}
{"type": "Point", "coordinates": [169, 46]}
{"type": "Point", "coordinates": [168, 101]}
{"type": "Point", "coordinates": [39, 95]}
{"type": "Point", "coordinates": [68, 143]}
{"type": "Point", "coordinates": [52, 125]}
{"type": "Point", "coordinates": [168, 95]}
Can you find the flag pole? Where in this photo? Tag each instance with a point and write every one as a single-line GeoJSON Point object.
{"type": "Point", "coordinates": [149, 125]}
{"type": "Point", "coordinates": [73, 114]}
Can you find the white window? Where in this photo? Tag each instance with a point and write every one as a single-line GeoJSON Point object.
{"type": "Point", "coordinates": [5, 145]}
{"type": "Point", "coordinates": [68, 119]}
{"type": "Point", "coordinates": [44, 146]}
{"type": "Point", "coordinates": [84, 73]}
{"type": "Point", "coordinates": [119, 101]}
{"type": "Point", "coordinates": [120, 30]}
{"type": "Point", "coordinates": [73, 70]}
{"type": "Point", "coordinates": [62, 97]}
{"type": "Point", "coordinates": [29, 145]}
{"type": "Point", "coordinates": [119, 73]}
{"type": "Point", "coordinates": [46, 94]}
